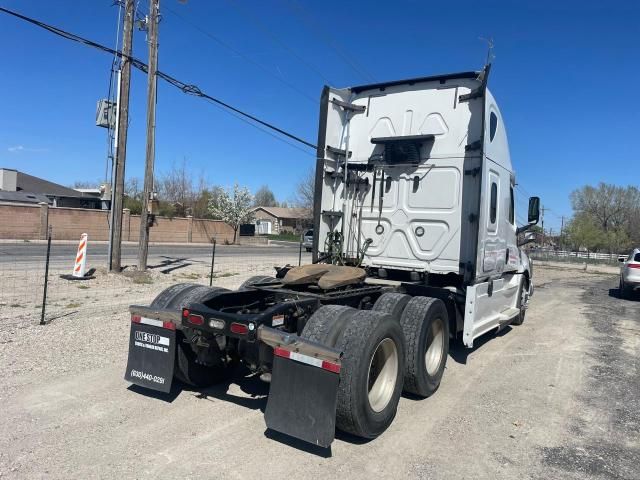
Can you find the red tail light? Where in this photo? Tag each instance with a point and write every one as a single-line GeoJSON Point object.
{"type": "Point", "coordinates": [196, 319]}
{"type": "Point", "coordinates": [634, 265]}
{"type": "Point", "coordinates": [239, 328]}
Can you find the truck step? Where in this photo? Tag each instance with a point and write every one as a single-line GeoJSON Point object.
{"type": "Point", "coordinates": [509, 313]}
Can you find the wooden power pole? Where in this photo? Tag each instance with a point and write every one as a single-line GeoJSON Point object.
{"type": "Point", "coordinates": [121, 149]}
{"type": "Point", "coordinates": [145, 217]}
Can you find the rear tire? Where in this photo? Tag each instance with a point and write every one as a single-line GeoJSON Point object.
{"type": "Point", "coordinates": [187, 370]}
{"type": "Point", "coordinates": [327, 324]}
{"type": "Point", "coordinates": [371, 376]}
{"type": "Point", "coordinates": [248, 283]}
{"type": "Point", "coordinates": [624, 291]}
{"type": "Point", "coordinates": [392, 303]}
{"type": "Point", "coordinates": [425, 324]}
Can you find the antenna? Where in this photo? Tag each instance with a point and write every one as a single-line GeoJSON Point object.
{"type": "Point", "coordinates": [490, 55]}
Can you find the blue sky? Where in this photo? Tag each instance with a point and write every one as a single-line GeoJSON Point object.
{"type": "Point", "coordinates": [565, 75]}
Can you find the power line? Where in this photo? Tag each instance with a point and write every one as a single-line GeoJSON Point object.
{"type": "Point", "coordinates": [276, 39]}
{"type": "Point", "coordinates": [298, 10]}
{"type": "Point", "coordinates": [523, 190]}
{"type": "Point", "coordinates": [246, 58]}
{"type": "Point", "coordinates": [184, 87]}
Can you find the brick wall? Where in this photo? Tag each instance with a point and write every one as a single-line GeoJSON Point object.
{"type": "Point", "coordinates": [70, 223]}
{"type": "Point", "coordinates": [29, 222]}
{"type": "Point", "coordinates": [20, 221]}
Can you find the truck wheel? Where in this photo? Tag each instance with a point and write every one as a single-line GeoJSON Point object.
{"type": "Point", "coordinates": [255, 279]}
{"type": "Point", "coordinates": [371, 376]}
{"type": "Point", "coordinates": [522, 302]}
{"type": "Point", "coordinates": [392, 303]}
{"type": "Point", "coordinates": [425, 324]}
{"type": "Point", "coordinates": [173, 293]}
{"type": "Point", "coordinates": [327, 323]}
{"type": "Point", "coordinates": [187, 370]}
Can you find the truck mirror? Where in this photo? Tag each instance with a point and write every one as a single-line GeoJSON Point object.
{"type": "Point", "coordinates": [534, 210]}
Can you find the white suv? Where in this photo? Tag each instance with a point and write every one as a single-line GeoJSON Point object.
{"type": "Point", "coordinates": [630, 274]}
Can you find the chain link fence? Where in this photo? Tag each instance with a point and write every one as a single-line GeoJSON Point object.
{"type": "Point", "coordinates": [575, 257]}
{"type": "Point", "coordinates": [23, 267]}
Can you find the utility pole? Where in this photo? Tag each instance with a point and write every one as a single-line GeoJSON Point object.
{"type": "Point", "coordinates": [145, 217]}
{"type": "Point", "coordinates": [542, 225]}
{"type": "Point", "coordinates": [121, 151]}
{"type": "Point", "coordinates": [561, 232]}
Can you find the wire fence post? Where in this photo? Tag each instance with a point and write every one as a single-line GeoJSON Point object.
{"type": "Point", "coordinates": [46, 277]}
{"type": "Point", "coordinates": [300, 250]}
{"type": "Point", "coordinates": [213, 262]}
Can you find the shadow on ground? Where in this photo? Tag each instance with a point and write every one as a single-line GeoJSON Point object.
{"type": "Point", "coordinates": [459, 353]}
{"type": "Point", "coordinates": [616, 293]}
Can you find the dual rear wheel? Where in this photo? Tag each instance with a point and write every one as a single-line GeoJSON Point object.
{"type": "Point", "coordinates": [401, 344]}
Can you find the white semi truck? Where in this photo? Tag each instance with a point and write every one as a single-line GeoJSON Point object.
{"type": "Point", "coordinates": [415, 245]}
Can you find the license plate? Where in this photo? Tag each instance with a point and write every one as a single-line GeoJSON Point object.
{"type": "Point", "coordinates": [151, 357]}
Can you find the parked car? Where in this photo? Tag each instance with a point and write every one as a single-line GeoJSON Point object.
{"type": "Point", "coordinates": [307, 241]}
{"type": "Point", "coordinates": [630, 274]}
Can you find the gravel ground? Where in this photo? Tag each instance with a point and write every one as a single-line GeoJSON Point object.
{"type": "Point", "coordinates": [555, 398]}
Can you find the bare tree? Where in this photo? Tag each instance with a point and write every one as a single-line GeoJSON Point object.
{"type": "Point", "coordinates": [264, 197]}
{"type": "Point", "coordinates": [613, 210]}
{"type": "Point", "coordinates": [86, 184]}
{"type": "Point", "coordinates": [305, 191]}
{"type": "Point", "coordinates": [133, 195]}
{"type": "Point", "coordinates": [176, 187]}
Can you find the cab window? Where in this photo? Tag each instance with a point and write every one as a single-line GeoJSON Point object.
{"type": "Point", "coordinates": [493, 209]}
{"type": "Point", "coordinates": [511, 207]}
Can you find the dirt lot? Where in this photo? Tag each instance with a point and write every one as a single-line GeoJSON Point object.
{"type": "Point", "coordinates": [558, 397]}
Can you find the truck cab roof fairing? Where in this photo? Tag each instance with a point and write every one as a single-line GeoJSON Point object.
{"type": "Point", "coordinates": [411, 81]}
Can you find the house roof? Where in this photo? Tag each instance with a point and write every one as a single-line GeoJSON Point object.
{"type": "Point", "coordinates": [280, 212]}
{"type": "Point", "coordinates": [31, 184]}
{"type": "Point", "coordinates": [22, 197]}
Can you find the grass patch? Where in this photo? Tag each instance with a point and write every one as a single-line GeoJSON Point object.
{"type": "Point", "coordinates": [139, 278]}
{"type": "Point", "coordinates": [142, 280]}
{"type": "Point", "coordinates": [289, 237]}
{"type": "Point", "coordinates": [223, 275]}
{"type": "Point", "coordinates": [190, 276]}
{"type": "Point", "coordinates": [73, 305]}
{"type": "Point", "coordinates": [83, 287]}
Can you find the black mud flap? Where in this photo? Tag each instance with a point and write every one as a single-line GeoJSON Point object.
{"type": "Point", "coordinates": [302, 401]}
{"type": "Point", "coordinates": [152, 352]}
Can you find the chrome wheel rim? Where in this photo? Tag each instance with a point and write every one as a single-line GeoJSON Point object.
{"type": "Point", "coordinates": [383, 374]}
{"type": "Point", "coordinates": [435, 348]}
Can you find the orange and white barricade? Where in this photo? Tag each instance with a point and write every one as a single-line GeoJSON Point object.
{"type": "Point", "coordinates": [81, 257]}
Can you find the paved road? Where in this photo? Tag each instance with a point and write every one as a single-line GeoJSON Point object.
{"type": "Point", "coordinates": [557, 397]}
{"type": "Point", "coordinates": [97, 253]}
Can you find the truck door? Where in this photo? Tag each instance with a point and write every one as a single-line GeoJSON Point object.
{"type": "Point", "coordinates": [496, 229]}
{"type": "Point", "coordinates": [493, 242]}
